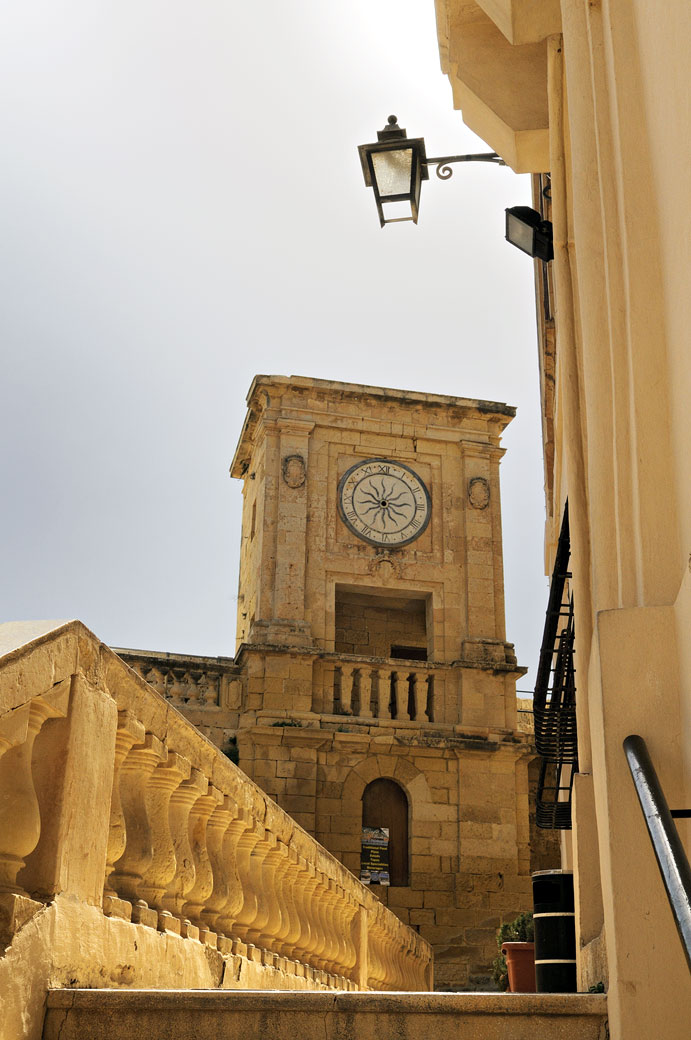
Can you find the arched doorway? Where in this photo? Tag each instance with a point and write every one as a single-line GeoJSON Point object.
{"type": "Point", "coordinates": [385, 804]}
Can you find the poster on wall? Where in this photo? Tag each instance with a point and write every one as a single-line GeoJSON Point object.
{"type": "Point", "coordinates": [374, 859]}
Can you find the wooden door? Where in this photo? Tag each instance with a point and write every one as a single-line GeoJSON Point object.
{"type": "Point", "coordinates": [385, 804]}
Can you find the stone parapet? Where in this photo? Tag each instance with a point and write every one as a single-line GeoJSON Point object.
{"type": "Point", "coordinates": [110, 801]}
{"type": "Point", "coordinates": [321, 1016]}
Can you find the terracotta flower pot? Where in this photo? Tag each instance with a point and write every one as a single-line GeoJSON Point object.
{"type": "Point", "coordinates": [520, 960]}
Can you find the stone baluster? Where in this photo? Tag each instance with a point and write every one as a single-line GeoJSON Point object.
{"type": "Point", "coordinates": [335, 946]}
{"type": "Point", "coordinates": [303, 940]}
{"type": "Point", "coordinates": [312, 938]}
{"type": "Point", "coordinates": [390, 950]}
{"type": "Point", "coordinates": [375, 967]}
{"type": "Point", "coordinates": [191, 690]}
{"type": "Point", "coordinates": [268, 921]}
{"type": "Point", "coordinates": [239, 834]}
{"type": "Point", "coordinates": [130, 731]}
{"type": "Point", "coordinates": [205, 690]}
{"type": "Point", "coordinates": [412, 962]}
{"type": "Point", "coordinates": [399, 953]}
{"type": "Point", "coordinates": [387, 946]}
{"type": "Point", "coordinates": [346, 914]}
{"type": "Point", "coordinates": [181, 802]}
{"type": "Point", "coordinates": [360, 941]}
{"type": "Point", "coordinates": [382, 687]}
{"type": "Point", "coordinates": [290, 925]}
{"type": "Point", "coordinates": [135, 771]}
{"type": "Point", "coordinates": [395, 976]}
{"type": "Point", "coordinates": [355, 700]}
{"type": "Point", "coordinates": [430, 705]}
{"type": "Point", "coordinates": [366, 693]}
{"type": "Point", "coordinates": [347, 680]}
{"type": "Point", "coordinates": [324, 951]}
{"type": "Point", "coordinates": [402, 959]}
{"type": "Point", "coordinates": [400, 696]}
{"type": "Point", "coordinates": [324, 691]}
{"type": "Point", "coordinates": [252, 926]}
{"type": "Point", "coordinates": [248, 865]}
{"type": "Point", "coordinates": [163, 782]}
{"type": "Point", "coordinates": [155, 678]}
{"type": "Point", "coordinates": [348, 920]}
{"type": "Point", "coordinates": [176, 690]}
{"type": "Point", "coordinates": [203, 873]}
{"type": "Point", "coordinates": [418, 679]}
{"type": "Point", "coordinates": [319, 953]}
{"type": "Point", "coordinates": [20, 818]}
{"type": "Point", "coordinates": [217, 829]}
{"type": "Point", "coordinates": [336, 922]}
{"type": "Point", "coordinates": [279, 923]}
{"type": "Point", "coordinates": [384, 956]}
{"type": "Point", "coordinates": [384, 943]}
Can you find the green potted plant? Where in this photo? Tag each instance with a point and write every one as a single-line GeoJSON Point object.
{"type": "Point", "coordinates": [514, 967]}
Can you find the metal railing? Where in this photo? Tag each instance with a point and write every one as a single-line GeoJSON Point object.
{"type": "Point", "coordinates": [669, 851]}
{"type": "Point", "coordinates": [554, 699]}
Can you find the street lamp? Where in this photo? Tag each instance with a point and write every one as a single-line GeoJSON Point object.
{"type": "Point", "coordinates": [395, 165]}
{"type": "Point", "coordinates": [527, 230]}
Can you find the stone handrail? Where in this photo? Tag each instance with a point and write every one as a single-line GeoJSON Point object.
{"type": "Point", "coordinates": [108, 795]}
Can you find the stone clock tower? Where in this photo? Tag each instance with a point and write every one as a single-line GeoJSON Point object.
{"type": "Point", "coordinates": [373, 692]}
{"type": "Point", "coordinates": [376, 688]}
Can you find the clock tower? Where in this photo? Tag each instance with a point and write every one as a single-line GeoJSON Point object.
{"type": "Point", "coordinates": [376, 690]}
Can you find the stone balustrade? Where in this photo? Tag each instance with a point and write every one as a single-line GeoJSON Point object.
{"type": "Point", "coordinates": [110, 797]}
{"type": "Point", "coordinates": [382, 689]}
{"type": "Point", "coordinates": [189, 683]}
{"type": "Point", "coordinates": [213, 693]}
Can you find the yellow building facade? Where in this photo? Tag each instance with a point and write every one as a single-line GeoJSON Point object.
{"type": "Point", "coordinates": [593, 98]}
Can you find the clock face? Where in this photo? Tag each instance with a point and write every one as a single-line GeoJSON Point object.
{"type": "Point", "coordinates": [384, 502]}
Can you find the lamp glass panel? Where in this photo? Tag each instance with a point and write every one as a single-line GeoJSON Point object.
{"type": "Point", "coordinates": [392, 171]}
{"type": "Point", "coordinates": [520, 234]}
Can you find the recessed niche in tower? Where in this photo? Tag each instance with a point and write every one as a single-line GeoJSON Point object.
{"type": "Point", "coordinates": [386, 623]}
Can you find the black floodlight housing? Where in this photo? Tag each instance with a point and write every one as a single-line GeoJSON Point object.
{"type": "Point", "coordinates": [527, 230]}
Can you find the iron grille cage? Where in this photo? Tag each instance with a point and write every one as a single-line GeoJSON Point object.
{"type": "Point", "coordinates": [554, 699]}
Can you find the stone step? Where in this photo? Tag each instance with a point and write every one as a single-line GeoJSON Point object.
{"type": "Point", "coordinates": [74, 1014]}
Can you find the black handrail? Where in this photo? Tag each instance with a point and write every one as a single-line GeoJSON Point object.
{"type": "Point", "coordinates": [669, 851]}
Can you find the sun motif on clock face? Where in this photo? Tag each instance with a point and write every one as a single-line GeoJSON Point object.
{"type": "Point", "coordinates": [384, 502]}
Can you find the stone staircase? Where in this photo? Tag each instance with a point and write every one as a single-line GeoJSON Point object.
{"type": "Point", "coordinates": [134, 854]}
{"type": "Point", "coordinates": [74, 1014]}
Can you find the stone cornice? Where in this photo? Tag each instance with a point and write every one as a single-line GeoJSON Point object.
{"type": "Point", "coordinates": [267, 394]}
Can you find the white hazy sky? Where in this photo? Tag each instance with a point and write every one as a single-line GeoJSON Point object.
{"type": "Point", "coordinates": [183, 208]}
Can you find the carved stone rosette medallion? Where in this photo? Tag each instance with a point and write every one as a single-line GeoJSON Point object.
{"type": "Point", "coordinates": [478, 492]}
{"type": "Point", "coordinates": [294, 471]}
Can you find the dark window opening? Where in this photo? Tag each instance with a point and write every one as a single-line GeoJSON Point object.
{"type": "Point", "coordinates": [409, 653]}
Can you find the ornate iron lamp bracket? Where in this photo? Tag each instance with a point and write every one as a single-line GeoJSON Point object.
{"type": "Point", "coordinates": [443, 162]}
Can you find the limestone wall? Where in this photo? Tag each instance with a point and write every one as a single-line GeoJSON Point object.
{"type": "Point", "coordinates": [134, 853]}
{"type": "Point", "coordinates": [364, 627]}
